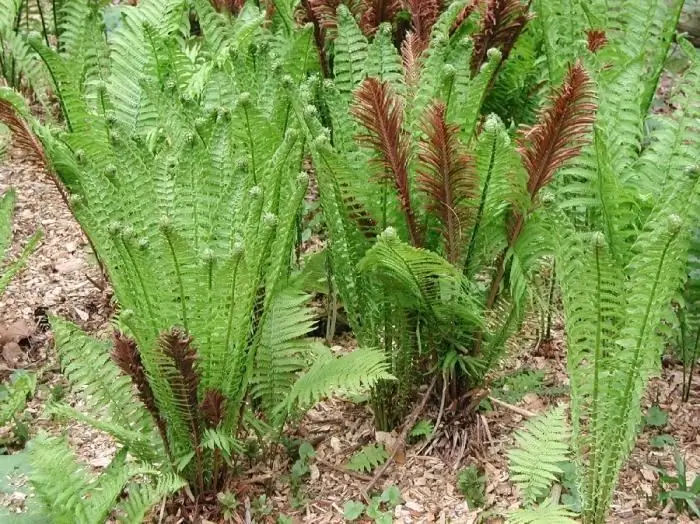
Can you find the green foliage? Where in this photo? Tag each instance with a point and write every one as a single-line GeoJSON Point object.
{"type": "Point", "coordinates": [379, 509]}
{"type": "Point", "coordinates": [540, 446]}
{"type": "Point", "coordinates": [513, 387]}
{"type": "Point", "coordinates": [676, 489]}
{"type": "Point", "coordinates": [423, 428]}
{"type": "Point", "coordinates": [661, 441]}
{"type": "Point", "coordinates": [656, 417]}
{"type": "Point", "coordinates": [545, 513]}
{"type": "Point", "coordinates": [184, 167]}
{"type": "Point", "coordinates": [14, 395]}
{"type": "Point", "coordinates": [368, 458]}
{"type": "Point", "coordinates": [8, 269]}
{"type": "Point", "coordinates": [471, 484]}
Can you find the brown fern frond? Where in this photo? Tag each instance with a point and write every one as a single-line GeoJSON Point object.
{"type": "Point", "coordinates": [22, 135]}
{"type": "Point", "coordinates": [376, 12]}
{"type": "Point", "coordinates": [561, 130]}
{"type": "Point", "coordinates": [597, 39]}
{"type": "Point", "coordinates": [128, 358]}
{"type": "Point", "coordinates": [424, 14]}
{"type": "Point", "coordinates": [325, 11]}
{"type": "Point", "coordinates": [465, 13]}
{"type": "Point", "coordinates": [501, 24]}
{"type": "Point", "coordinates": [213, 407]}
{"type": "Point", "coordinates": [446, 175]}
{"type": "Point", "coordinates": [379, 110]}
{"type": "Point", "coordinates": [411, 49]}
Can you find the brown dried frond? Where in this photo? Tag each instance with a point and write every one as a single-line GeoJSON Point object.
{"type": "Point", "coordinates": [465, 13]}
{"type": "Point", "coordinates": [326, 11]}
{"type": "Point", "coordinates": [597, 39]}
{"type": "Point", "coordinates": [128, 358]}
{"type": "Point", "coordinates": [379, 110]}
{"type": "Point", "coordinates": [376, 12]}
{"type": "Point", "coordinates": [424, 14]}
{"type": "Point", "coordinates": [446, 175]}
{"type": "Point", "coordinates": [501, 24]}
{"type": "Point", "coordinates": [22, 135]}
{"type": "Point", "coordinates": [561, 130]}
{"type": "Point", "coordinates": [213, 407]}
{"type": "Point", "coordinates": [411, 49]}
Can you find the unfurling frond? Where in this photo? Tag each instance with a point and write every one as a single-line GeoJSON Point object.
{"type": "Point", "coordinates": [213, 407]}
{"type": "Point", "coordinates": [380, 111]}
{"type": "Point", "coordinates": [541, 446]}
{"type": "Point", "coordinates": [561, 130]}
{"type": "Point", "coordinates": [597, 39]}
{"type": "Point", "coordinates": [424, 14]}
{"type": "Point", "coordinates": [446, 176]}
{"type": "Point", "coordinates": [502, 23]}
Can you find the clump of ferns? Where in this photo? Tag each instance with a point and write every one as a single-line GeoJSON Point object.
{"type": "Point", "coordinates": [455, 215]}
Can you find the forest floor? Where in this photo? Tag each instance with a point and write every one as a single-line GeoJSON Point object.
{"type": "Point", "coordinates": [62, 279]}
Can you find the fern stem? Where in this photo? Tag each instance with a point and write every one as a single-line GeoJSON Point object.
{"type": "Point", "coordinates": [252, 146]}
{"type": "Point", "coordinates": [181, 286]}
{"type": "Point", "coordinates": [597, 364]}
{"type": "Point", "coordinates": [550, 302]}
{"type": "Point", "coordinates": [687, 383]}
{"type": "Point", "coordinates": [43, 23]}
{"type": "Point", "coordinates": [482, 206]}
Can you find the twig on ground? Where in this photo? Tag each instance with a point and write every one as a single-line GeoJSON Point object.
{"type": "Point", "coordinates": [515, 409]}
{"type": "Point", "coordinates": [400, 442]}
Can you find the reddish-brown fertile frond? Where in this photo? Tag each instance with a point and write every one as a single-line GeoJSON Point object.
{"type": "Point", "coordinates": [424, 14]}
{"type": "Point", "coordinates": [411, 49]}
{"type": "Point", "coordinates": [127, 357]}
{"type": "Point", "coordinates": [378, 109]}
{"type": "Point", "coordinates": [213, 407]}
{"type": "Point", "coordinates": [465, 13]}
{"type": "Point", "coordinates": [597, 39]}
{"type": "Point", "coordinates": [446, 175]}
{"type": "Point", "coordinates": [22, 135]}
{"type": "Point", "coordinates": [561, 130]}
{"type": "Point", "coordinates": [501, 24]}
{"type": "Point", "coordinates": [178, 346]}
{"type": "Point", "coordinates": [376, 12]}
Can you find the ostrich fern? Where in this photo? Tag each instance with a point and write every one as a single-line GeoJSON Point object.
{"type": "Point", "coordinates": [451, 192]}
{"type": "Point", "coordinates": [630, 203]}
{"type": "Point", "coordinates": [184, 174]}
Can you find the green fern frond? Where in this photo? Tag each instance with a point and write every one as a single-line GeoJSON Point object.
{"type": "Point", "coordinates": [545, 513]}
{"type": "Point", "coordinates": [142, 497]}
{"type": "Point", "coordinates": [541, 445]}
{"type": "Point", "coordinates": [356, 371]}
{"type": "Point", "coordinates": [14, 394]}
{"type": "Point", "coordinates": [368, 458]}
{"type": "Point", "coordinates": [87, 364]}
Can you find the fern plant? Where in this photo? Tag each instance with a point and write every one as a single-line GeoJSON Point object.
{"type": "Point", "coordinates": [629, 205]}
{"type": "Point", "coordinates": [451, 193]}
{"type": "Point", "coordinates": [184, 174]}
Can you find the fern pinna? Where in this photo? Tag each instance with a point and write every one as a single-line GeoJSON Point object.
{"type": "Point", "coordinates": [449, 184]}
{"type": "Point", "coordinates": [186, 175]}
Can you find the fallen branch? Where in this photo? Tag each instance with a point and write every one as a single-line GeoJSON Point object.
{"type": "Point", "coordinates": [514, 409]}
{"type": "Point", "coordinates": [401, 440]}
